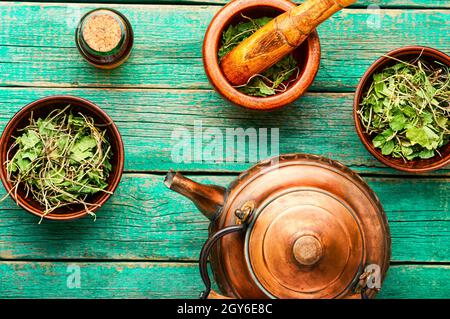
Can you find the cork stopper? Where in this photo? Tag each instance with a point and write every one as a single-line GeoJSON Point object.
{"type": "Point", "coordinates": [104, 37]}
{"type": "Point", "coordinates": [102, 32]}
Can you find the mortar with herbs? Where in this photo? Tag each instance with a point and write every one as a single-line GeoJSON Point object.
{"type": "Point", "coordinates": [275, 87]}
{"type": "Point", "coordinates": [62, 158]}
{"type": "Point", "coordinates": [402, 109]}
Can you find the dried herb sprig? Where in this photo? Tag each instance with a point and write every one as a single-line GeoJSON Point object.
{"type": "Point", "coordinates": [60, 160]}
{"type": "Point", "coordinates": [407, 108]}
{"type": "Point", "coordinates": [275, 79]}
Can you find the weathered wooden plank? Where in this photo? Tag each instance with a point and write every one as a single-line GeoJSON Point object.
{"type": "Point", "coordinates": [421, 282]}
{"type": "Point", "coordinates": [317, 123]}
{"type": "Point", "coordinates": [150, 280]}
{"type": "Point", "coordinates": [37, 46]}
{"type": "Point", "coordinates": [146, 221]}
{"type": "Point", "coordinates": [99, 280]}
{"type": "Point", "coordinates": [360, 3]}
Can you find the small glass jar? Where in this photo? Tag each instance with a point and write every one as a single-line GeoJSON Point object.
{"type": "Point", "coordinates": [104, 38]}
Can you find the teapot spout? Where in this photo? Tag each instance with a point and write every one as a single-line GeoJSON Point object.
{"type": "Point", "coordinates": [209, 199]}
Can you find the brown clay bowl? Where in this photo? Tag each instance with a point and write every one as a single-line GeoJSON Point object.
{"type": "Point", "coordinates": [41, 108]}
{"type": "Point", "coordinates": [307, 55]}
{"type": "Point", "coordinates": [409, 53]}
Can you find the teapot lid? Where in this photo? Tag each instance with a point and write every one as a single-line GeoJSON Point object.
{"type": "Point", "coordinates": [314, 228]}
{"type": "Point", "coordinates": [304, 243]}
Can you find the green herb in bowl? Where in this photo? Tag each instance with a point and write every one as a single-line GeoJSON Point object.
{"type": "Point", "coordinates": [407, 108]}
{"type": "Point", "coordinates": [275, 79]}
{"type": "Point", "coordinates": [60, 160]}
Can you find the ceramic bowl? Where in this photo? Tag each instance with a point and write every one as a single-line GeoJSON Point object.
{"type": "Point", "coordinates": [409, 53]}
{"type": "Point", "coordinates": [42, 108]}
{"type": "Point", "coordinates": [307, 55]}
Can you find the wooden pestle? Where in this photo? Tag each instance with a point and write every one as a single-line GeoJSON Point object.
{"type": "Point", "coordinates": [276, 39]}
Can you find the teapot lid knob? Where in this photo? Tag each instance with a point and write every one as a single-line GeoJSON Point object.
{"type": "Point", "coordinates": [307, 250]}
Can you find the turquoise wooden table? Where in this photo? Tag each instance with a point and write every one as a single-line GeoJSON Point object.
{"type": "Point", "coordinates": [146, 241]}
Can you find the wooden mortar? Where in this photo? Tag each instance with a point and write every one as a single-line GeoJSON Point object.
{"type": "Point", "coordinates": [278, 38]}
{"type": "Point", "coordinates": [307, 54]}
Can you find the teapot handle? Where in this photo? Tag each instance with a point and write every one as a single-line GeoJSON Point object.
{"type": "Point", "coordinates": [204, 254]}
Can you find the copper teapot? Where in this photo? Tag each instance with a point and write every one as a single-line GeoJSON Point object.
{"type": "Point", "coordinates": [293, 226]}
